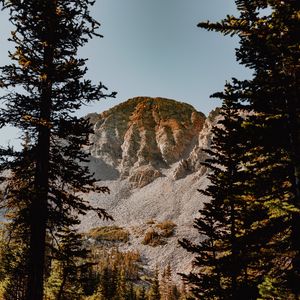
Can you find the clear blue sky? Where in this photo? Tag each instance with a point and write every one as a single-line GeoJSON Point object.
{"type": "Point", "coordinates": [154, 48]}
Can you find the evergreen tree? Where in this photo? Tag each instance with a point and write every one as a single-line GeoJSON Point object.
{"type": "Point", "coordinates": [223, 259]}
{"type": "Point", "coordinates": [14, 231]}
{"type": "Point", "coordinates": [168, 289]}
{"type": "Point", "coordinates": [108, 284]}
{"type": "Point", "coordinates": [13, 276]}
{"type": "Point", "coordinates": [69, 266]}
{"type": "Point", "coordinates": [47, 36]}
{"type": "Point", "coordinates": [131, 294]}
{"type": "Point", "coordinates": [269, 45]}
{"type": "Point", "coordinates": [121, 292]}
{"type": "Point", "coordinates": [154, 291]}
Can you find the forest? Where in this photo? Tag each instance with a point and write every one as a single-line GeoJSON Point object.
{"type": "Point", "coordinates": [249, 230]}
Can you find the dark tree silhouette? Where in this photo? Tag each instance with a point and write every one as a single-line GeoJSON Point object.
{"type": "Point", "coordinates": [269, 45]}
{"type": "Point", "coordinates": [45, 66]}
{"type": "Point", "coordinates": [269, 41]}
{"type": "Point", "coordinates": [224, 266]}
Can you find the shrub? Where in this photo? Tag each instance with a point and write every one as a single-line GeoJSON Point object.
{"type": "Point", "coordinates": [152, 238]}
{"type": "Point", "coordinates": [109, 233]}
{"type": "Point", "coordinates": [167, 228]}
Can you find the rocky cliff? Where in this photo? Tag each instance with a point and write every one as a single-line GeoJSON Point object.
{"type": "Point", "coordinates": [148, 151]}
{"type": "Point", "coordinates": [143, 135]}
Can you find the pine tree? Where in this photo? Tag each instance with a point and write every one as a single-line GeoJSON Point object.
{"type": "Point", "coordinates": [154, 291]}
{"type": "Point", "coordinates": [13, 276]}
{"type": "Point", "coordinates": [14, 230]}
{"type": "Point", "coordinates": [121, 291]}
{"type": "Point", "coordinates": [47, 36]}
{"type": "Point", "coordinates": [269, 39]}
{"type": "Point", "coordinates": [131, 293]}
{"type": "Point", "coordinates": [69, 266]}
{"type": "Point", "coordinates": [227, 260]}
{"type": "Point", "coordinates": [167, 287]}
{"type": "Point", "coordinates": [108, 283]}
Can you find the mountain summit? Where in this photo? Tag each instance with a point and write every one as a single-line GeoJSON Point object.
{"type": "Point", "coordinates": [148, 151]}
{"type": "Point", "coordinates": [142, 135]}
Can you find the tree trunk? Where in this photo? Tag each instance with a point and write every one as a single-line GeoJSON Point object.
{"type": "Point", "coordinates": [38, 210]}
{"type": "Point", "coordinates": [38, 219]}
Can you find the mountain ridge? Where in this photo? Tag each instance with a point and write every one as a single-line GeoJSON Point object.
{"type": "Point", "coordinates": [150, 158]}
{"type": "Point", "coordinates": [143, 135]}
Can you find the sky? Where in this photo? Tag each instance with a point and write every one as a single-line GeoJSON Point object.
{"type": "Point", "coordinates": [154, 48]}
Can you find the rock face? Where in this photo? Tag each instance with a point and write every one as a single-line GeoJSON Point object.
{"type": "Point", "coordinates": [143, 135]}
{"type": "Point", "coordinates": [148, 151]}
{"type": "Point", "coordinates": [192, 164]}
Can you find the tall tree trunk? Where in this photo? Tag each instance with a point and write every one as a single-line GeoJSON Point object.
{"type": "Point", "coordinates": [39, 210]}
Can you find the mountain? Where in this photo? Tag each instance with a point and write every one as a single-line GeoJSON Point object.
{"type": "Point", "coordinates": [148, 152]}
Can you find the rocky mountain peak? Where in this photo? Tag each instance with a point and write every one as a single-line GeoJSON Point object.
{"type": "Point", "coordinates": [148, 151]}
{"type": "Point", "coordinates": [141, 136]}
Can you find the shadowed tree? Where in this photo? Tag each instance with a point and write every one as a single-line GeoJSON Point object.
{"type": "Point", "coordinates": [70, 264]}
{"type": "Point", "coordinates": [224, 267]}
{"type": "Point", "coordinates": [15, 230]}
{"type": "Point", "coordinates": [269, 45]}
{"type": "Point", "coordinates": [51, 87]}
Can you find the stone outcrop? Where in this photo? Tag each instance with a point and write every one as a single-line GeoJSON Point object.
{"type": "Point", "coordinates": [192, 164]}
{"type": "Point", "coordinates": [144, 175]}
{"type": "Point", "coordinates": [143, 135]}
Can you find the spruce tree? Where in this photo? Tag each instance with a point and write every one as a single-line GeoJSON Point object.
{"type": "Point", "coordinates": [69, 266]}
{"type": "Point", "coordinates": [154, 290]}
{"type": "Point", "coordinates": [224, 265]}
{"type": "Point", "coordinates": [269, 45]}
{"type": "Point", "coordinates": [14, 229]}
{"type": "Point", "coordinates": [47, 36]}
{"type": "Point", "coordinates": [131, 293]}
{"type": "Point", "coordinates": [13, 271]}
{"type": "Point", "coordinates": [167, 288]}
